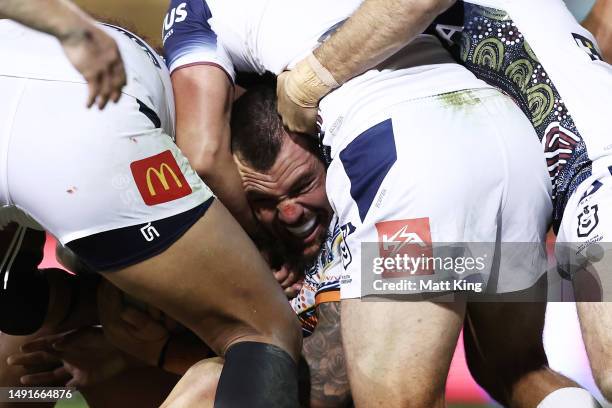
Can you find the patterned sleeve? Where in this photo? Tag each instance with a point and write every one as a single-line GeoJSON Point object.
{"type": "Point", "coordinates": [189, 39]}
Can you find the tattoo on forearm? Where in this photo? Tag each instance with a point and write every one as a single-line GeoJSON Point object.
{"type": "Point", "coordinates": [325, 356]}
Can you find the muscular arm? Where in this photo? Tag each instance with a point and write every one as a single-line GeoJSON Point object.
{"type": "Point", "coordinates": [323, 352]}
{"type": "Point", "coordinates": [92, 52]}
{"type": "Point", "coordinates": [203, 95]}
{"type": "Point", "coordinates": [59, 18]}
{"type": "Point", "coordinates": [599, 22]}
{"type": "Point", "coordinates": [376, 30]}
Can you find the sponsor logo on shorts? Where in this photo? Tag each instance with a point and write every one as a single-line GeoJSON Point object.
{"type": "Point", "coordinates": [587, 220]}
{"type": "Point", "coordinates": [410, 237]}
{"type": "Point", "coordinates": [159, 179]}
{"type": "Point", "coordinates": [587, 46]}
{"type": "Point", "coordinates": [149, 232]}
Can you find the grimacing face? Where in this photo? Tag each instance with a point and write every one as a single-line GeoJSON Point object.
{"type": "Point", "coordinates": [289, 199]}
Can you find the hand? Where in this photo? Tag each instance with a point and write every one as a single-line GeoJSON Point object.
{"type": "Point", "coordinates": [289, 279]}
{"type": "Point", "coordinates": [296, 118]}
{"type": "Point", "coordinates": [79, 358]}
{"type": "Point", "coordinates": [96, 56]}
{"type": "Point", "coordinates": [139, 334]}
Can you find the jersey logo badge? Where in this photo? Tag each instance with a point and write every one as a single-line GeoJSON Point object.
{"type": "Point", "coordinates": [587, 220]}
{"type": "Point", "coordinates": [159, 179]}
{"type": "Point", "coordinates": [587, 46]}
{"type": "Point", "coordinates": [345, 252]}
{"type": "Point", "coordinates": [405, 238]}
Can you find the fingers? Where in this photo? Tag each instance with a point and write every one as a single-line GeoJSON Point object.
{"type": "Point", "coordinates": [292, 278]}
{"type": "Point", "coordinates": [58, 376]}
{"type": "Point", "coordinates": [40, 344]}
{"type": "Point", "coordinates": [295, 117]}
{"type": "Point", "coordinates": [105, 90]}
{"type": "Point", "coordinates": [33, 359]}
{"type": "Point", "coordinates": [281, 274]}
{"type": "Point", "coordinates": [118, 79]}
{"type": "Point", "coordinates": [77, 339]}
{"type": "Point", "coordinates": [292, 291]}
{"type": "Point", "coordinates": [100, 63]}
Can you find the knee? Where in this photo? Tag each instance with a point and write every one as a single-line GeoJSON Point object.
{"type": "Point", "coordinates": [280, 331]}
{"type": "Point", "coordinates": [485, 377]}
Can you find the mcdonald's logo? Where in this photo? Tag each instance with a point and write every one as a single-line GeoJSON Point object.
{"type": "Point", "coordinates": [159, 179]}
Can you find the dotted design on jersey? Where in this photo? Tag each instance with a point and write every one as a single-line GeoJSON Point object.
{"type": "Point", "coordinates": [322, 276]}
{"type": "Point", "coordinates": [492, 48]}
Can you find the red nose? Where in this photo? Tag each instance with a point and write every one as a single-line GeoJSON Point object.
{"type": "Point", "coordinates": [289, 212]}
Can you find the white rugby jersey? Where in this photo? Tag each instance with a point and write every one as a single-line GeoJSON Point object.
{"type": "Point", "coordinates": [272, 35]}
{"type": "Point", "coordinates": [29, 53]}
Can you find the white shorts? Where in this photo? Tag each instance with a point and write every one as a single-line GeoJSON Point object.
{"type": "Point", "coordinates": [81, 172]}
{"type": "Point", "coordinates": [458, 168]}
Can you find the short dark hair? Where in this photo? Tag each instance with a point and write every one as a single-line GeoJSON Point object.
{"type": "Point", "coordinates": [257, 130]}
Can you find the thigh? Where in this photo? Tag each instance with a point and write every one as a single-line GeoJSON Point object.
{"type": "Point", "coordinates": [596, 324]}
{"type": "Point", "coordinates": [214, 281]}
{"type": "Point", "coordinates": [399, 353]}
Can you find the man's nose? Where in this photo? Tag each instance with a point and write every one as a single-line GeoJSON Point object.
{"type": "Point", "coordinates": [289, 212]}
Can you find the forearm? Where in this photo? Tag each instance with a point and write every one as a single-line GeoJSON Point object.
{"type": "Point", "coordinates": [224, 180]}
{"type": "Point", "coordinates": [60, 18]}
{"type": "Point", "coordinates": [203, 96]}
{"type": "Point", "coordinates": [324, 354]}
{"type": "Point", "coordinates": [599, 22]}
{"type": "Point", "coordinates": [376, 30]}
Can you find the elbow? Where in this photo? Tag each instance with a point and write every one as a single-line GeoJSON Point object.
{"type": "Point", "coordinates": [209, 161]}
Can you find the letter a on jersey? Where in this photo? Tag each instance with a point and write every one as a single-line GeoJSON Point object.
{"type": "Point", "coordinates": [159, 179]}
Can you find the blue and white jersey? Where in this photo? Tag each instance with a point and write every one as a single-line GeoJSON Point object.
{"type": "Point", "coordinates": [247, 35]}
{"type": "Point", "coordinates": [273, 35]}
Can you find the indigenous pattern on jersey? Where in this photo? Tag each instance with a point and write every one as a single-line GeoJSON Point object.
{"type": "Point", "coordinates": [321, 280]}
{"type": "Point", "coordinates": [493, 48]}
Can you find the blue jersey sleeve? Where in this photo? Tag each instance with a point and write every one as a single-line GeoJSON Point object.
{"type": "Point", "coordinates": [189, 39]}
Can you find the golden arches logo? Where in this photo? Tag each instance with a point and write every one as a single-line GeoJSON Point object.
{"type": "Point", "coordinates": [161, 176]}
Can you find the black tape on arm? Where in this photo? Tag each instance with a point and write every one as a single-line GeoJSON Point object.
{"type": "Point", "coordinates": [257, 375]}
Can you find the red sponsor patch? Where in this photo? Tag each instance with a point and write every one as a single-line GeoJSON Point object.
{"type": "Point", "coordinates": [408, 244]}
{"type": "Point", "coordinates": [159, 179]}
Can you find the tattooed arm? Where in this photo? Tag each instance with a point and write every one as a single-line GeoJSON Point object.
{"type": "Point", "coordinates": [323, 352]}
